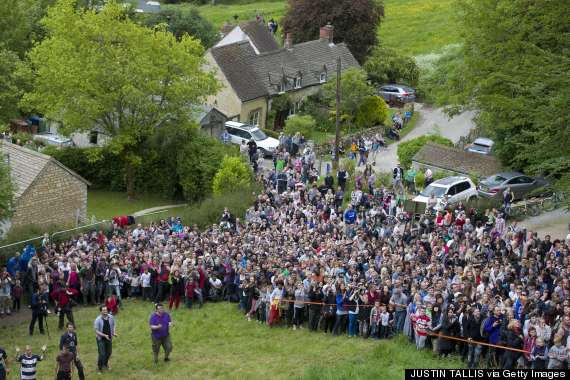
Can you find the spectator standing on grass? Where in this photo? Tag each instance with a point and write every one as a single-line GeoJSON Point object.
{"type": "Point", "coordinates": [5, 292]}
{"type": "Point", "coordinates": [4, 370]}
{"type": "Point", "coordinates": [28, 362]}
{"type": "Point", "coordinates": [64, 364]}
{"type": "Point", "coordinates": [105, 332]}
{"type": "Point", "coordinates": [160, 324]}
{"type": "Point", "coordinates": [64, 303]}
{"type": "Point", "coordinates": [69, 340]}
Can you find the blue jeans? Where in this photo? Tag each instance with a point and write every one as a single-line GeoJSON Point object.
{"type": "Point", "coordinates": [352, 324]}
{"type": "Point", "coordinates": [399, 320]}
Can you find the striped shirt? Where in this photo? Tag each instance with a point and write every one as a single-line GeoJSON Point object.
{"type": "Point", "coordinates": [28, 368]}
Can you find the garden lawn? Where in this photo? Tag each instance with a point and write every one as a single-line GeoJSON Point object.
{"type": "Point", "coordinates": [415, 27]}
{"type": "Point", "coordinates": [216, 342]}
{"type": "Point", "coordinates": [107, 204]}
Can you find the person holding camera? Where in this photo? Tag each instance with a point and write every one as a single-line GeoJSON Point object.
{"type": "Point", "coordinates": [39, 310]}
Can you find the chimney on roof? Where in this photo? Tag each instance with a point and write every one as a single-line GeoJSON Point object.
{"type": "Point", "coordinates": [327, 33]}
{"type": "Point", "coordinates": [288, 40]}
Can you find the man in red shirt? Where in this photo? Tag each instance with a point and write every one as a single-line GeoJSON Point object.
{"type": "Point", "coordinates": [62, 298]}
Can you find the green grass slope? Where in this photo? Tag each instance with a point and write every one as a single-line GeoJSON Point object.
{"type": "Point", "coordinates": [216, 342]}
{"type": "Point", "coordinates": [414, 26]}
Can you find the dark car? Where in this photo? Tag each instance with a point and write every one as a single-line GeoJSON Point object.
{"type": "Point", "coordinates": [522, 185]}
{"type": "Point", "coordinates": [397, 93]}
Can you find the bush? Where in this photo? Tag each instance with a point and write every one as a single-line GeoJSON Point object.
{"type": "Point", "coordinates": [372, 112]}
{"type": "Point", "coordinates": [420, 179]}
{"type": "Point", "coordinates": [408, 149]}
{"type": "Point", "coordinates": [234, 173]}
{"type": "Point", "coordinates": [271, 133]}
{"type": "Point", "coordinates": [303, 124]}
{"type": "Point", "coordinates": [350, 166]}
{"type": "Point", "coordinates": [210, 210]}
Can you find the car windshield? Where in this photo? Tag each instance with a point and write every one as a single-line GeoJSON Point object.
{"type": "Point", "coordinates": [258, 135]}
{"type": "Point", "coordinates": [495, 180]}
{"type": "Point", "coordinates": [431, 189]}
{"type": "Point", "coordinates": [481, 147]}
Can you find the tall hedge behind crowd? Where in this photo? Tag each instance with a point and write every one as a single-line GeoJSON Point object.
{"type": "Point", "coordinates": [178, 162]}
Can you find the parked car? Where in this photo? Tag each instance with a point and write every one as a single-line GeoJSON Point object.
{"type": "Point", "coordinates": [481, 145]}
{"type": "Point", "coordinates": [456, 188]}
{"type": "Point", "coordinates": [521, 185]}
{"type": "Point", "coordinates": [53, 139]}
{"type": "Point", "coordinates": [396, 92]}
{"type": "Point", "coordinates": [239, 131]}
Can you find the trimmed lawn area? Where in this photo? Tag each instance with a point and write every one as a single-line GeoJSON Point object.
{"type": "Point", "coordinates": [217, 342]}
{"type": "Point", "coordinates": [413, 26]}
{"type": "Point", "coordinates": [107, 204]}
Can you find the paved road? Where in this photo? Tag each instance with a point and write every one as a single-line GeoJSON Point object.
{"type": "Point", "coordinates": [554, 223]}
{"type": "Point", "coordinates": [431, 120]}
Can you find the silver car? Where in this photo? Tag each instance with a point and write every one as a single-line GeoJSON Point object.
{"type": "Point", "coordinates": [481, 145]}
{"type": "Point", "coordinates": [397, 92]}
{"type": "Point", "coordinates": [521, 185]}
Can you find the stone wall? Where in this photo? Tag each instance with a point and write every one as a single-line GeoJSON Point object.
{"type": "Point", "coordinates": [53, 199]}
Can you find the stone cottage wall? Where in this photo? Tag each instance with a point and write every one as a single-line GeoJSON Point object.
{"type": "Point", "coordinates": [53, 199]}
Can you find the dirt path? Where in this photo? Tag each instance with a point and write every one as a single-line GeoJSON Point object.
{"type": "Point", "coordinates": [554, 223]}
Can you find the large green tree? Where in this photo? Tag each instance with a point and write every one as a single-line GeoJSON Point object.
{"type": "Point", "coordinates": [513, 67]}
{"type": "Point", "coordinates": [387, 65]}
{"type": "Point", "coordinates": [101, 69]}
{"type": "Point", "coordinates": [10, 86]}
{"type": "Point", "coordinates": [355, 22]}
{"type": "Point", "coordinates": [354, 89]}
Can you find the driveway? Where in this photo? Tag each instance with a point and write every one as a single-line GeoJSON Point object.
{"type": "Point", "coordinates": [431, 120]}
{"type": "Point", "coordinates": [553, 223]}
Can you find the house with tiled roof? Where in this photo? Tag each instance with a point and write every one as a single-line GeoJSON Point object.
{"type": "Point", "coordinates": [45, 191]}
{"type": "Point", "coordinates": [254, 32]}
{"type": "Point", "coordinates": [252, 77]}
{"type": "Point", "coordinates": [441, 158]}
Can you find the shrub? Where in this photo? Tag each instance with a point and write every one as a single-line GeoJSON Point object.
{"type": "Point", "coordinates": [372, 112]}
{"type": "Point", "coordinates": [234, 173]}
{"type": "Point", "coordinates": [408, 149]}
{"type": "Point", "coordinates": [271, 133]}
{"type": "Point", "coordinates": [420, 179]}
{"type": "Point", "coordinates": [210, 210]}
{"type": "Point", "coordinates": [303, 124]}
{"type": "Point", "coordinates": [350, 166]}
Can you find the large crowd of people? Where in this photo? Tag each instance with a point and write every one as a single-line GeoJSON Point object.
{"type": "Point", "coordinates": [448, 280]}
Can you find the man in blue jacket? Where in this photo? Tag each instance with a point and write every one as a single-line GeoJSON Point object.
{"type": "Point", "coordinates": [349, 220]}
{"type": "Point", "coordinates": [492, 329]}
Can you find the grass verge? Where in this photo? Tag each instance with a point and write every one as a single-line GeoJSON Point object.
{"type": "Point", "coordinates": [107, 204]}
{"type": "Point", "coordinates": [216, 342]}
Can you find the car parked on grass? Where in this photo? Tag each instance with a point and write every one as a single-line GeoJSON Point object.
{"type": "Point", "coordinates": [239, 131]}
{"type": "Point", "coordinates": [481, 145]}
{"type": "Point", "coordinates": [457, 188]}
{"type": "Point", "coordinates": [397, 92]}
{"type": "Point", "coordinates": [521, 185]}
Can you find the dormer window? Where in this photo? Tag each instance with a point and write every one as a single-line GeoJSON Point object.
{"type": "Point", "coordinates": [323, 78]}
{"type": "Point", "coordinates": [298, 82]}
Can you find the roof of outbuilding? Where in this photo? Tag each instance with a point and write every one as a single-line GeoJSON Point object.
{"type": "Point", "coordinates": [254, 75]}
{"type": "Point", "coordinates": [260, 36]}
{"type": "Point", "coordinates": [457, 160]}
{"type": "Point", "coordinates": [26, 165]}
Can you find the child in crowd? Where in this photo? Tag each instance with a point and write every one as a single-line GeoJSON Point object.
{"type": "Point", "coordinates": [17, 292]}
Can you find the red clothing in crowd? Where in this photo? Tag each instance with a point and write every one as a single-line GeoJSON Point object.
{"type": "Point", "coordinates": [421, 322]}
{"type": "Point", "coordinates": [61, 296]}
{"type": "Point", "coordinates": [112, 305]}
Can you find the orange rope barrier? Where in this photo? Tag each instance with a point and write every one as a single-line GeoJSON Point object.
{"type": "Point", "coordinates": [468, 341]}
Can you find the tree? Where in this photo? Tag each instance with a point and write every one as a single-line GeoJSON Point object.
{"type": "Point", "coordinates": [100, 69]}
{"type": "Point", "coordinates": [355, 22]}
{"type": "Point", "coordinates": [354, 88]}
{"type": "Point", "coordinates": [233, 174]}
{"type": "Point", "coordinates": [386, 65]}
{"type": "Point", "coordinates": [6, 191]}
{"type": "Point", "coordinates": [408, 149]}
{"type": "Point", "coordinates": [10, 86]}
{"type": "Point", "coordinates": [183, 21]}
{"type": "Point", "coordinates": [372, 112]}
{"type": "Point", "coordinates": [514, 68]}
{"type": "Point", "coordinates": [303, 124]}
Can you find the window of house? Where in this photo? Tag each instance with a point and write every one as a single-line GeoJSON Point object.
{"type": "Point", "coordinates": [93, 137]}
{"type": "Point", "coordinates": [295, 108]}
{"type": "Point", "coordinates": [323, 78]}
{"type": "Point", "coordinates": [254, 116]}
{"type": "Point", "coordinates": [298, 82]}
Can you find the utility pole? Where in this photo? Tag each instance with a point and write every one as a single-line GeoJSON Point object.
{"type": "Point", "coordinates": [337, 136]}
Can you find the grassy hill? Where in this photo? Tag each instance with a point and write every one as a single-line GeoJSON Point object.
{"type": "Point", "coordinates": [216, 342]}
{"type": "Point", "coordinates": [414, 26]}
